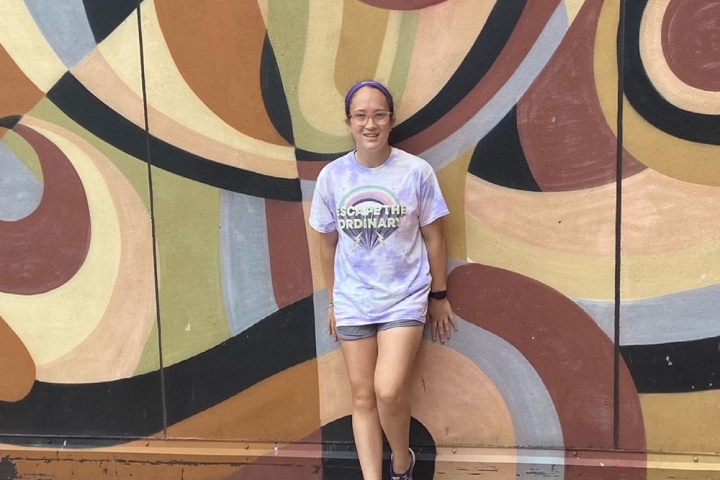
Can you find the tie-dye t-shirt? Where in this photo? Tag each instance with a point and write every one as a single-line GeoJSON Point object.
{"type": "Point", "coordinates": [382, 271]}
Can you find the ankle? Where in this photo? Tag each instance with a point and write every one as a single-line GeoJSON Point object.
{"type": "Point", "coordinates": [401, 462]}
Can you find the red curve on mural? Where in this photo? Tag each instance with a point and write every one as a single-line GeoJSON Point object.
{"type": "Point", "coordinates": [689, 41]}
{"type": "Point", "coordinates": [565, 136]}
{"type": "Point", "coordinates": [289, 251]}
{"type": "Point", "coordinates": [571, 354]}
{"type": "Point", "coordinates": [402, 4]}
{"type": "Point", "coordinates": [45, 249]}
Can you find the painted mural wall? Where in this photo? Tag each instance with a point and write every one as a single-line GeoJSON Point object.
{"type": "Point", "coordinates": [158, 278]}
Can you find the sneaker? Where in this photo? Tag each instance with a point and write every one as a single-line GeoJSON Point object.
{"type": "Point", "coordinates": [403, 476]}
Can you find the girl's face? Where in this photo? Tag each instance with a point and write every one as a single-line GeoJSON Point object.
{"type": "Point", "coordinates": [370, 137]}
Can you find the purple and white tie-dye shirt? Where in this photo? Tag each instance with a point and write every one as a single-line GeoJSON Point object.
{"type": "Point", "coordinates": [382, 271]}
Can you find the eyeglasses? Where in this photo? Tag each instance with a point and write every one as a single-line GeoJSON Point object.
{"type": "Point", "coordinates": [379, 118]}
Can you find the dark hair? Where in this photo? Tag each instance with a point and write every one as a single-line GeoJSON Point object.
{"type": "Point", "coordinates": [368, 83]}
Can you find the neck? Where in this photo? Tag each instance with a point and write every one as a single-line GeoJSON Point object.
{"type": "Point", "coordinates": [374, 158]}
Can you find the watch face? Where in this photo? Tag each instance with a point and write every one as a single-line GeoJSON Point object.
{"type": "Point", "coordinates": [438, 295]}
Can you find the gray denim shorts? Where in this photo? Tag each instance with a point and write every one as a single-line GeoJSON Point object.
{"type": "Point", "coordinates": [364, 331]}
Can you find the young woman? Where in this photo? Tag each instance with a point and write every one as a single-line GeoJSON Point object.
{"type": "Point", "coordinates": [378, 210]}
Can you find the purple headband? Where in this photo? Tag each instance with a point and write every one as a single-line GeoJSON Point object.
{"type": "Point", "coordinates": [368, 83]}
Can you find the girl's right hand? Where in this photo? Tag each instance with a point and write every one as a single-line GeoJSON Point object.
{"type": "Point", "coordinates": [332, 328]}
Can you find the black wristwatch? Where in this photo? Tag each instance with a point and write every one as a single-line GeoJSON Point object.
{"type": "Point", "coordinates": [438, 294]}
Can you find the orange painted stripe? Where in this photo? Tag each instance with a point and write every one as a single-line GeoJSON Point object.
{"type": "Point", "coordinates": [217, 48]}
{"type": "Point", "coordinates": [18, 95]}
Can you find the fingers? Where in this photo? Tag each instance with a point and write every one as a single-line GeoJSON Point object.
{"type": "Point", "coordinates": [442, 329]}
{"type": "Point", "coordinates": [332, 328]}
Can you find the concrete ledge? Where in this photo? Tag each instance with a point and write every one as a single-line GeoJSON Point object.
{"type": "Point", "coordinates": [200, 460]}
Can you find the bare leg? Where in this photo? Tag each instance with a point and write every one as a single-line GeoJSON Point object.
{"type": "Point", "coordinates": [397, 348]}
{"type": "Point", "coordinates": [360, 360]}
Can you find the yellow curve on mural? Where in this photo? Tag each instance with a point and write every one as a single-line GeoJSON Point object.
{"type": "Point", "coordinates": [116, 345]}
{"type": "Point", "coordinates": [388, 52]}
{"type": "Point", "coordinates": [99, 77]}
{"type": "Point", "coordinates": [53, 323]}
{"type": "Point", "coordinates": [669, 155]}
{"type": "Point", "coordinates": [168, 93]}
{"type": "Point", "coordinates": [26, 44]}
{"type": "Point", "coordinates": [321, 104]}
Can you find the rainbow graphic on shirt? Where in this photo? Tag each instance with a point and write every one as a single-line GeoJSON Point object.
{"type": "Point", "coordinates": [370, 215]}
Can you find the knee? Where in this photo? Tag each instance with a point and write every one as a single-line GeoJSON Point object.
{"type": "Point", "coordinates": [364, 399]}
{"type": "Point", "coordinates": [391, 396]}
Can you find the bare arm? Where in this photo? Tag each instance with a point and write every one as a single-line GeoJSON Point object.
{"type": "Point", "coordinates": [328, 243]}
{"type": "Point", "coordinates": [439, 311]}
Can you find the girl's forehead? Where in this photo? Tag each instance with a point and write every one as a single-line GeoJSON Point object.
{"type": "Point", "coordinates": [369, 96]}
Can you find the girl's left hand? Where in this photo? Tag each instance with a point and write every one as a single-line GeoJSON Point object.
{"type": "Point", "coordinates": [441, 318]}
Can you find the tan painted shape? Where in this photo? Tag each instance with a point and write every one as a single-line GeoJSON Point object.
{"type": "Point", "coordinates": [264, 5]}
{"type": "Point", "coordinates": [445, 33]}
{"type": "Point", "coordinates": [578, 222]}
{"type": "Point", "coordinates": [446, 389]}
{"type": "Point", "coordinates": [572, 7]}
{"type": "Point", "coordinates": [98, 76]}
{"type": "Point", "coordinates": [572, 274]}
{"type": "Point", "coordinates": [592, 276]}
{"type": "Point", "coordinates": [284, 407]}
{"type": "Point", "coordinates": [660, 215]}
{"type": "Point", "coordinates": [113, 349]}
{"type": "Point", "coordinates": [54, 323]}
{"type": "Point", "coordinates": [675, 91]}
{"type": "Point", "coordinates": [682, 422]}
{"type": "Point", "coordinates": [667, 154]}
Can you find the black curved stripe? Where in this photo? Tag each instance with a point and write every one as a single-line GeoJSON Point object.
{"type": "Point", "coordinates": [132, 407]}
{"type": "Point", "coordinates": [337, 441]}
{"type": "Point", "coordinates": [481, 56]}
{"type": "Point", "coordinates": [499, 157]}
{"type": "Point", "coordinates": [307, 156]}
{"type": "Point", "coordinates": [675, 367]}
{"type": "Point", "coordinates": [104, 17]}
{"type": "Point", "coordinates": [10, 121]}
{"type": "Point", "coordinates": [648, 102]}
{"type": "Point", "coordinates": [87, 110]}
{"type": "Point", "coordinates": [273, 92]}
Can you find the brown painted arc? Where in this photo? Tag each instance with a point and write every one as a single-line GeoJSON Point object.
{"type": "Point", "coordinates": [565, 136]}
{"type": "Point", "coordinates": [691, 42]}
{"type": "Point", "coordinates": [289, 251]}
{"type": "Point", "coordinates": [572, 356]}
{"type": "Point", "coordinates": [18, 94]}
{"type": "Point", "coordinates": [45, 249]}
{"type": "Point", "coordinates": [531, 23]}
{"type": "Point", "coordinates": [217, 48]}
{"type": "Point", "coordinates": [17, 368]}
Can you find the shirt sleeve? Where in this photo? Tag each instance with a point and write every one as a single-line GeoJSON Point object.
{"type": "Point", "coordinates": [322, 210]}
{"type": "Point", "coordinates": [432, 203]}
